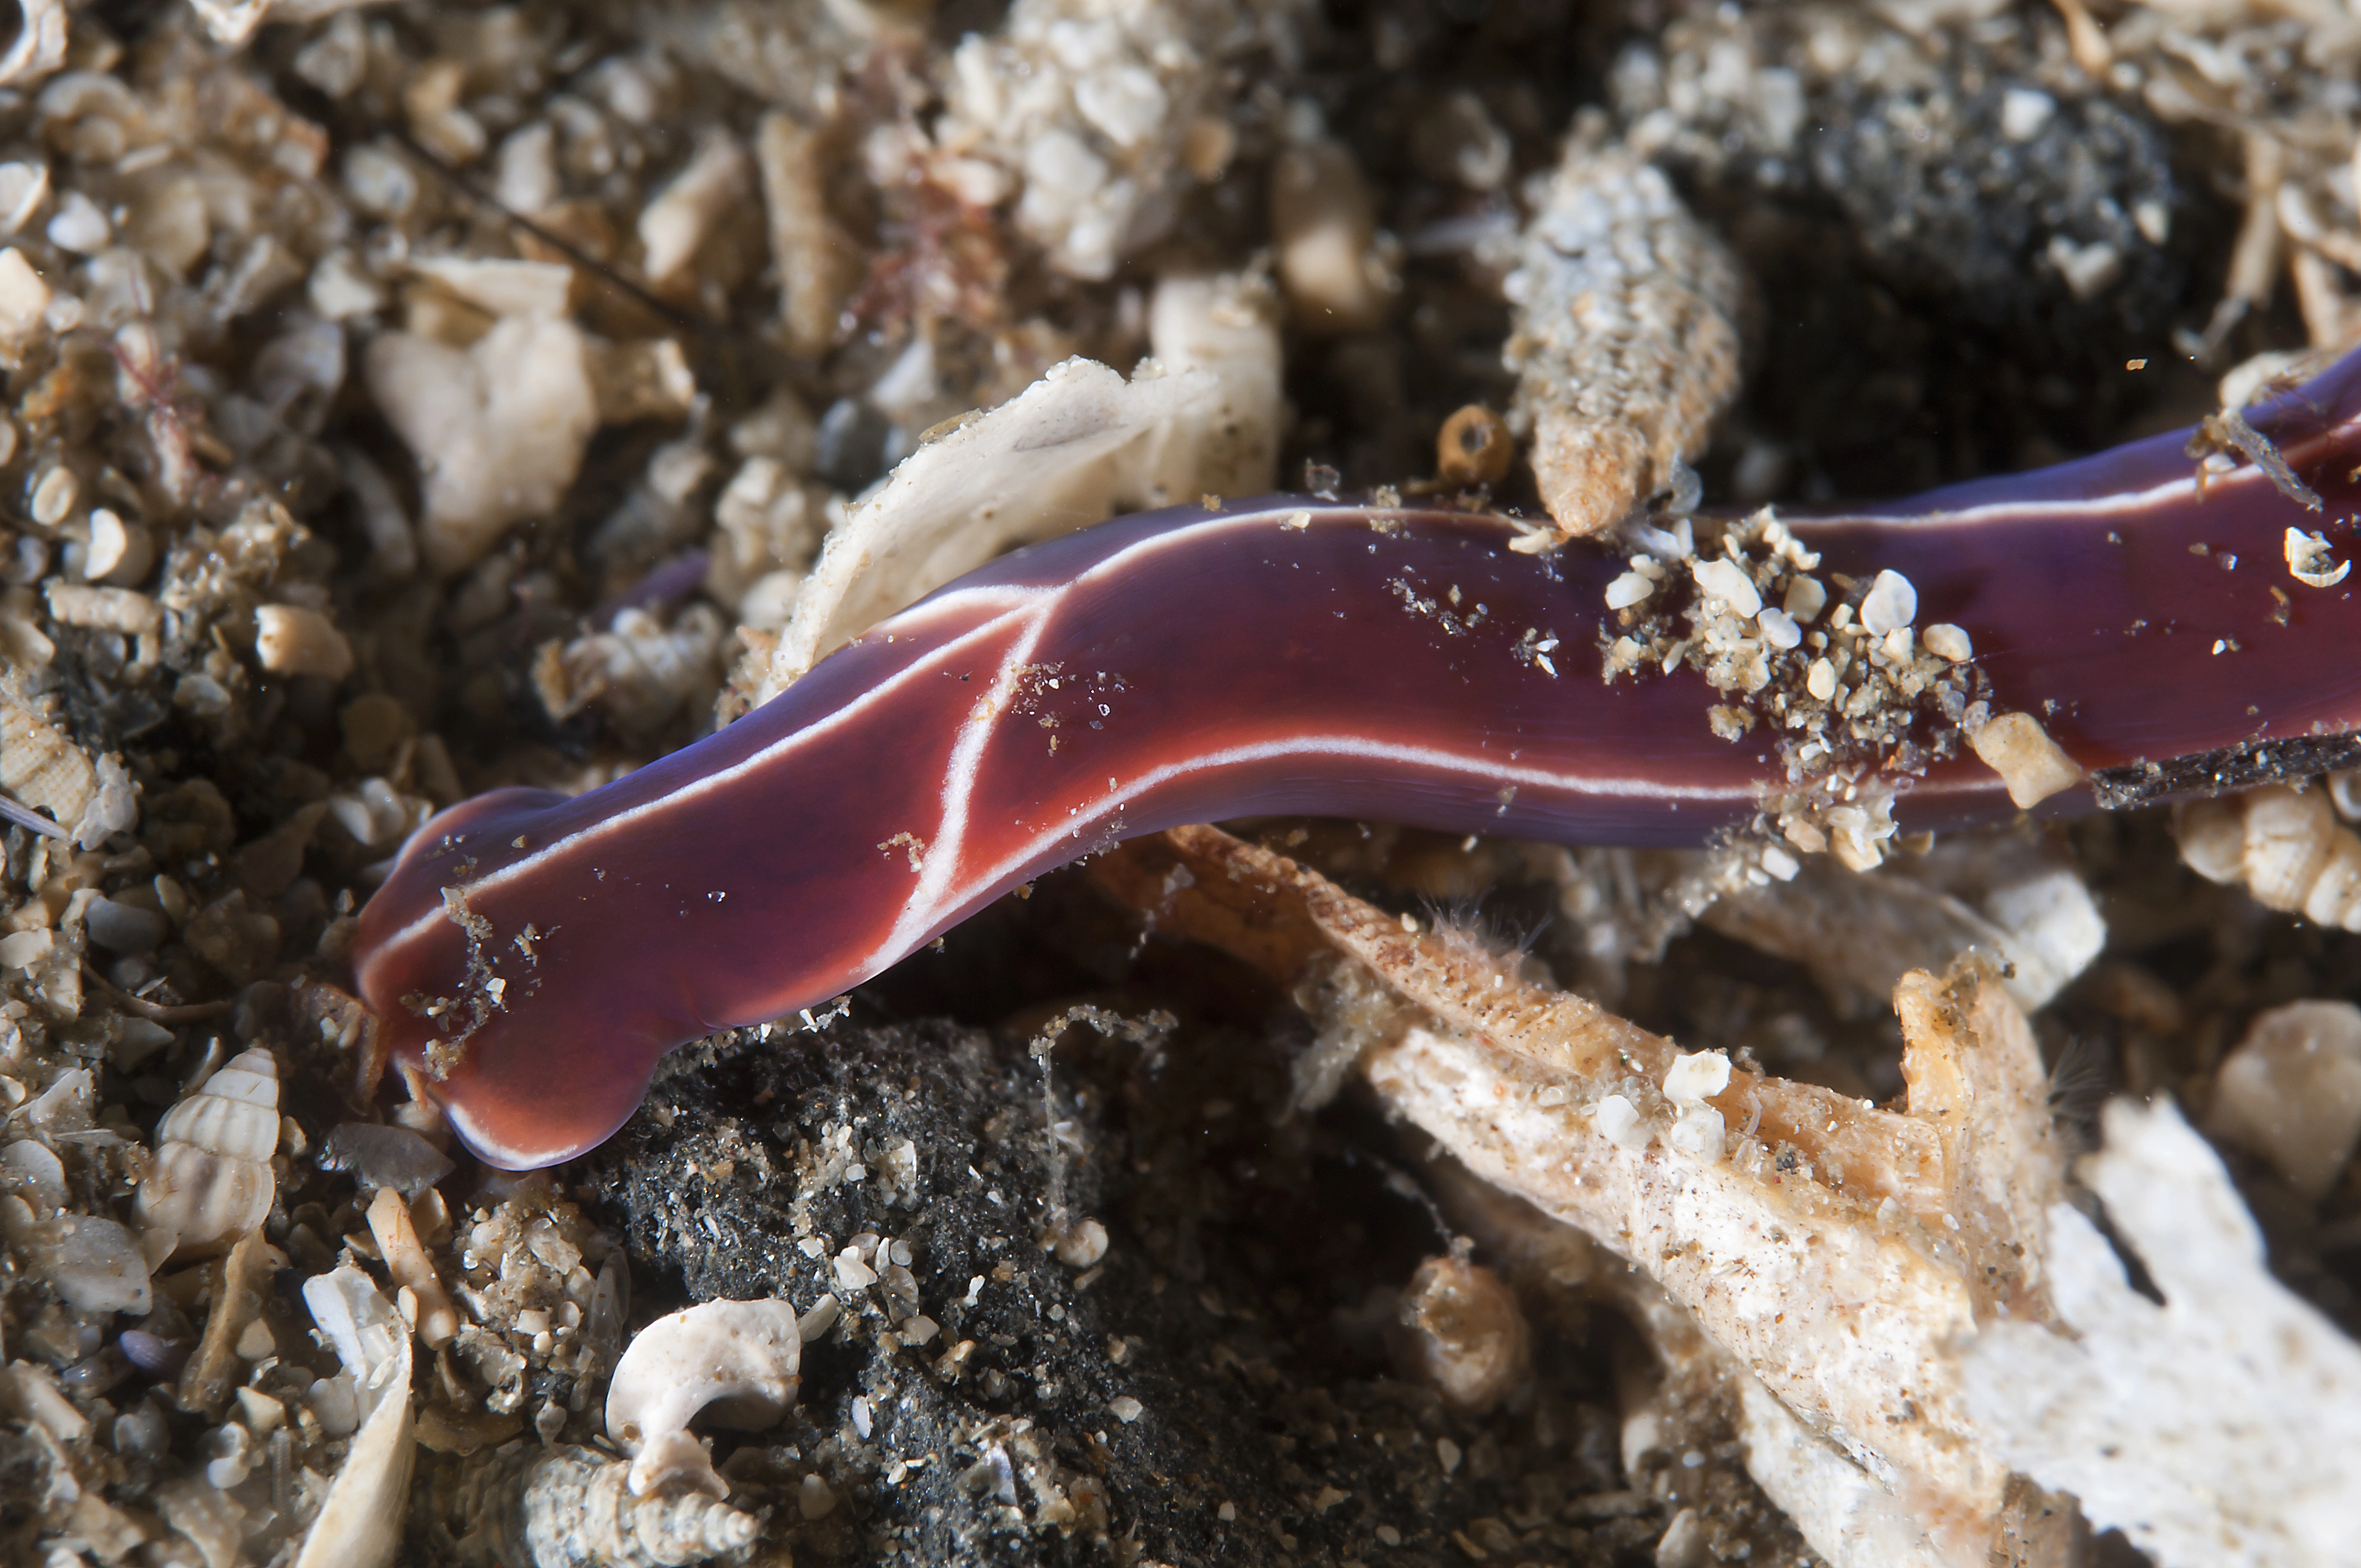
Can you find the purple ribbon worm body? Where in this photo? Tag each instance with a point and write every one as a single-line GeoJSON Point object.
{"type": "Point", "coordinates": [538, 954]}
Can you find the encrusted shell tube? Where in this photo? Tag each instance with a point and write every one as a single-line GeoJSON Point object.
{"type": "Point", "coordinates": [1626, 340]}
{"type": "Point", "coordinates": [211, 1180]}
{"type": "Point", "coordinates": [573, 1507]}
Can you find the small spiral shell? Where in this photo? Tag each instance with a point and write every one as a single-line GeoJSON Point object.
{"type": "Point", "coordinates": [211, 1180]}
{"type": "Point", "coordinates": [573, 1507]}
{"type": "Point", "coordinates": [2283, 843]}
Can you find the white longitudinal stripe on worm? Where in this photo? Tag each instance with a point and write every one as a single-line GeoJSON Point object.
{"type": "Point", "coordinates": [1008, 599]}
{"type": "Point", "coordinates": [941, 862]}
{"type": "Point", "coordinates": [2132, 503]}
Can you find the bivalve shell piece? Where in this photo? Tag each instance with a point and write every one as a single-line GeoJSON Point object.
{"type": "Point", "coordinates": [736, 1361]}
{"type": "Point", "coordinates": [212, 1179]}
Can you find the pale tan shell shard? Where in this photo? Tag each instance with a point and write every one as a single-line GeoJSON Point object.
{"type": "Point", "coordinates": [39, 766]}
{"type": "Point", "coordinates": [1625, 341]}
{"type": "Point", "coordinates": [39, 46]}
{"type": "Point", "coordinates": [211, 1180]}
{"type": "Point", "coordinates": [2283, 843]}
{"type": "Point", "coordinates": [737, 1360]}
{"type": "Point", "coordinates": [2216, 1428]}
{"type": "Point", "coordinates": [573, 1506]}
{"type": "Point", "coordinates": [2019, 750]}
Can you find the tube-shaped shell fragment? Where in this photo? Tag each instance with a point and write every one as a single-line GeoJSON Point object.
{"type": "Point", "coordinates": [1626, 340]}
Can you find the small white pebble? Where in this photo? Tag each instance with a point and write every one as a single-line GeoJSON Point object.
{"type": "Point", "coordinates": [813, 1498]}
{"type": "Point", "coordinates": [1892, 601]}
{"type": "Point", "coordinates": [1227, 1513]}
{"type": "Point", "coordinates": [1897, 644]}
{"type": "Point", "coordinates": [1805, 598]}
{"type": "Point", "coordinates": [79, 225]}
{"type": "Point", "coordinates": [1449, 1453]}
{"type": "Point", "coordinates": [292, 640]}
{"type": "Point", "coordinates": [1700, 1075]}
{"type": "Point", "coordinates": [1618, 1121]}
{"type": "Point", "coordinates": [851, 1272]}
{"type": "Point", "coordinates": [2023, 112]}
{"type": "Point", "coordinates": [820, 1320]}
{"type": "Point", "coordinates": [1779, 628]}
{"type": "Point", "coordinates": [54, 494]}
{"type": "Point", "coordinates": [1388, 1535]}
{"type": "Point", "coordinates": [1945, 641]}
{"type": "Point", "coordinates": [1082, 1244]}
{"type": "Point", "coordinates": [1780, 864]}
{"type": "Point", "coordinates": [1627, 590]}
{"type": "Point", "coordinates": [1820, 680]}
{"type": "Point", "coordinates": [1125, 1409]}
{"type": "Point", "coordinates": [1725, 581]}
{"type": "Point", "coordinates": [861, 1423]}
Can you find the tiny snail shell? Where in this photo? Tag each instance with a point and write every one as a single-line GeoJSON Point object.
{"type": "Point", "coordinates": [211, 1180]}
{"type": "Point", "coordinates": [2283, 843]}
{"type": "Point", "coordinates": [572, 1505]}
{"type": "Point", "coordinates": [737, 1360]}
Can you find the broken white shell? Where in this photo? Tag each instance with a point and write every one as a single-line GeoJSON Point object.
{"type": "Point", "coordinates": [360, 1524]}
{"type": "Point", "coordinates": [2310, 561]}
{"type": "Point", "coordinates": [39, 45]}
{"type": "Point", "coordinates": [736, 1361]}
{"type": "Point", "coordinates": [211, 1180]}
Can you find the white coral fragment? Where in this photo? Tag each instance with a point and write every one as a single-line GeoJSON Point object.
{"type": "Point", "coordinates": [2221, 1429]}
{"type": "Point", "coordinates": [735, 1361]}
{"type": "Point", "coordinates": [674, 225]}
{"type": "Point", "coordinates": [39, 46]}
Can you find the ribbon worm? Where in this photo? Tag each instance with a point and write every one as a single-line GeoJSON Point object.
{"type": "Point", "coordinates": [1289, 656]}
